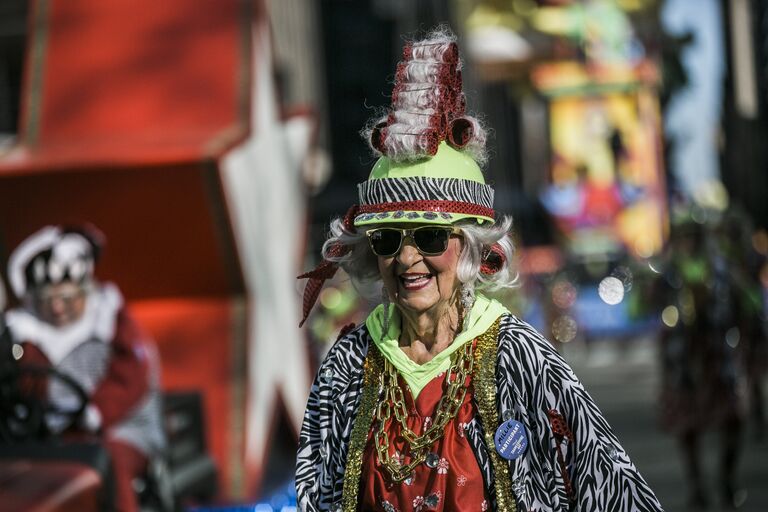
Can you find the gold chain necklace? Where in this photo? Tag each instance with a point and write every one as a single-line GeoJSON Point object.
{"type": "Point", "coordinates": [484, 383]}
{"type": "Point", "coordinates": [393, 402]}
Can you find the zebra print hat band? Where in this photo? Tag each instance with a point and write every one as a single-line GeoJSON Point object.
{"type": "Point", "coordinates": [423, 199]}
{"type": "Point", "coordinates": [423, 188]}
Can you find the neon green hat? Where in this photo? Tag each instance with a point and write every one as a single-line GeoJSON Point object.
{"type": "Point", "coordinates": [442, 189]}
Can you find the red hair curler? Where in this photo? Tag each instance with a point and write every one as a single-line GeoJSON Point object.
{"type": "Point", "coordinates": [378, 135]}
{"type": "Point", "coordinates": [493, 260]}
{"type": "Point", "coordinates": [460, 132]}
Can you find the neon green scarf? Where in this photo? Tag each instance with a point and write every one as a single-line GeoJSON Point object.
{"type": "Point", "coordinates": [484, 312]}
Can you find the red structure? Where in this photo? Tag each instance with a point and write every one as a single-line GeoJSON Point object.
{"type": "Point", "coordinates": [129, 108]}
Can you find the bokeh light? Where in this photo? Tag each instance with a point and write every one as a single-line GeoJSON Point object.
{"type": "Point", "coordinates": [732, 337]}
{"type": "Point", "coordinates": [564, 329]}
{"type": "Point", "coordinates": [17, 351]}
{"type": "Point", "coordinates": [712, 195]}
{"type": "Point", "coordinates": [564, 294]}
{"type": "Point", "coordinates": [330, 298]}
{"type": "Point", "coordinates": [698, 215]}
{"type": "Point", "coordinates": [611, 290]}
{"type": "Point", "coordinates": [670, 316]}
{"type": "Point", "coordinates": [644, 247]}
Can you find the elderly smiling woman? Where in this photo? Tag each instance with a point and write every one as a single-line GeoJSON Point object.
{"type": "Point", "coordinates": [442, 399]}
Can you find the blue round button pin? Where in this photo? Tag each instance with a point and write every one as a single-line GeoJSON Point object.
{"type": "Point", "coordinates": [511, 439]}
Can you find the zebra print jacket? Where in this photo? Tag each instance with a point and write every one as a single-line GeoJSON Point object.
{"type": "Point", "coordinates": [576, 466]}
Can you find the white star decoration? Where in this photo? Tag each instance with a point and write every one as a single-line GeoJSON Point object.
{"type": "Point", "coordinates": [266, 201]}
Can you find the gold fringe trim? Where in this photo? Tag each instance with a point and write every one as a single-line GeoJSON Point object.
{"type": "Point", "coordinates": [484, 380]}
{"type": "Point", "coordinates": [374, 364]}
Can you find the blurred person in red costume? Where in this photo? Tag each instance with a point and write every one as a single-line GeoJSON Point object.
{"type": "Point", "coordinates": [80, 327]}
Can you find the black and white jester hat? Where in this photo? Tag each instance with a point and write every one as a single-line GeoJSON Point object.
{"type": "Point", "coordinates": [53, 255]}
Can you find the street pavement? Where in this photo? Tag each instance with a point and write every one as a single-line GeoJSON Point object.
{"type": "Point", "coordinates": [623, 378]}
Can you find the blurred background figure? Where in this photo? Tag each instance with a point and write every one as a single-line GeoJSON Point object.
{"type": "Point", "coordinates": [701, 374]}
{"type": "Point", "coordinates": [78, 326]}
{"type": "Point", "coordinates": [712, 346]}
{"type": "Point", "coordinates": [743, 249]}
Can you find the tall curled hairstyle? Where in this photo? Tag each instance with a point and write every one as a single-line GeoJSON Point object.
{"type": "Point", "coordinates": [428, 105]}
{"type": "Point", "coordinates": [361, 264]}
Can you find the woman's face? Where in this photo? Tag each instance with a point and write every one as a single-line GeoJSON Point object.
{"type": "Point", "coordinates": [419, 283]}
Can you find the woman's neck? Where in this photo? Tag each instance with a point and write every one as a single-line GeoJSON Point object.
{"type": "Point", "coordinates": [424, 335]}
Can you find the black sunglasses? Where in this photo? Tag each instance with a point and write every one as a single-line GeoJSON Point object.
{"type": "Point", "coordinates": [429, 240]}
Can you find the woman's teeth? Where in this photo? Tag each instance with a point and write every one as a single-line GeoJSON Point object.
{"type": "Point", "coordinates": [415, 281]}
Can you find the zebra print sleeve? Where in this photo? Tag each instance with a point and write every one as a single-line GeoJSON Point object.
{"type": "Point", "coordinates": [324, 436]}
{"type": "Point", "coordinates": [602, 475]}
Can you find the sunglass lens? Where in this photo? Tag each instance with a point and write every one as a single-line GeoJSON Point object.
{"type": "Point", "coordinates": [385, 242]}
{"type": "Point", "coordinates": [431, 240]}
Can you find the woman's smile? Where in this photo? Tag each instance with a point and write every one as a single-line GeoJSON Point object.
{"type": "Point", "coordinates": [412, 281]}
{"type": "Point", "coordinates": [419, 283]}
